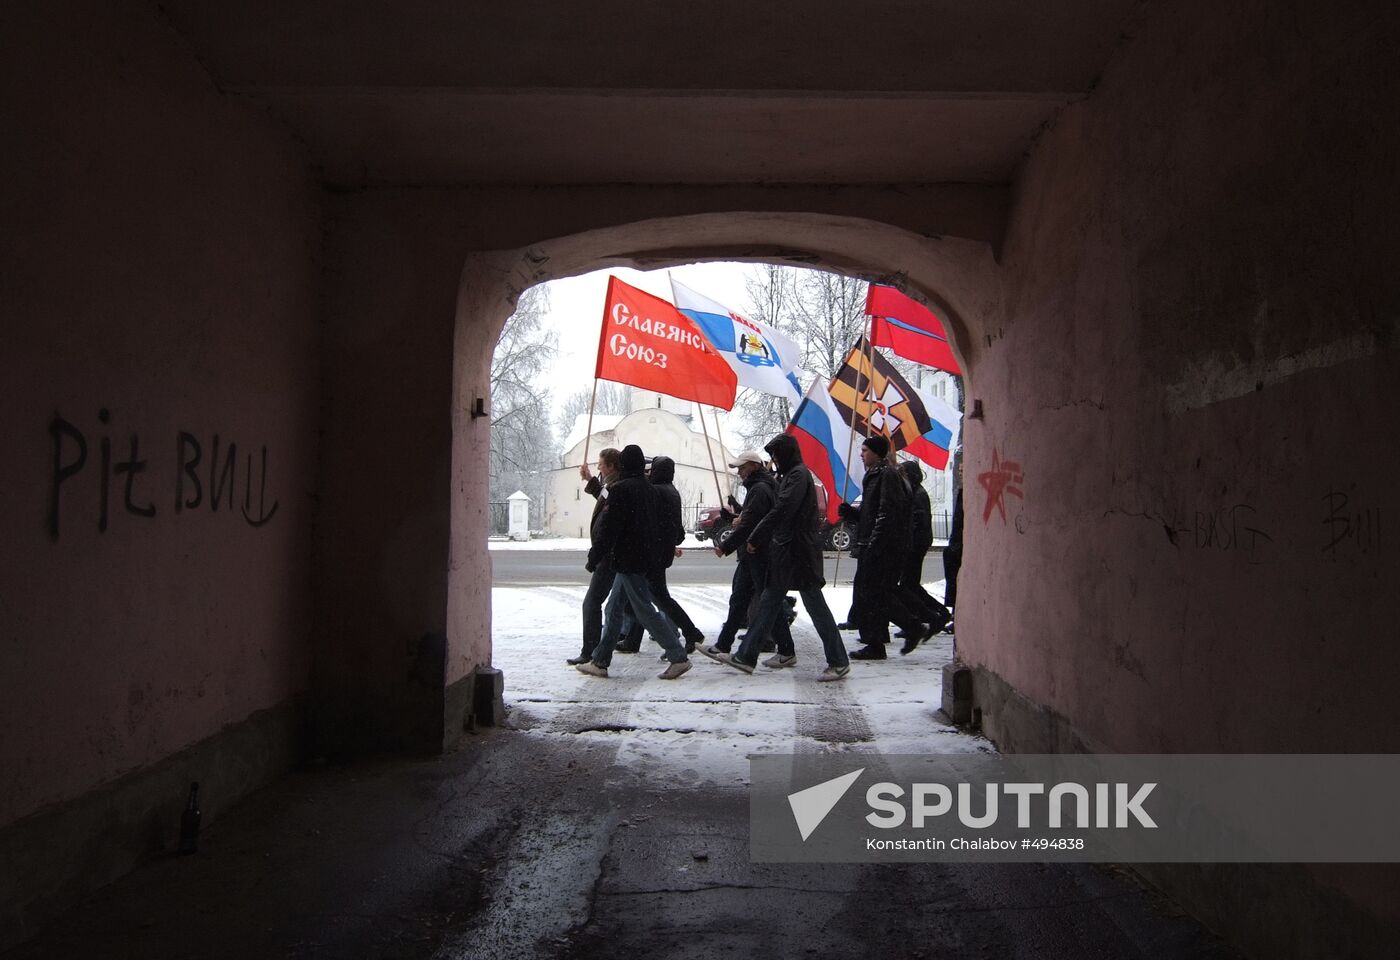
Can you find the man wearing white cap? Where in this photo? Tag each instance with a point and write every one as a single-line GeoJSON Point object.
{"type": "Point", "coordinates": [751, 572]}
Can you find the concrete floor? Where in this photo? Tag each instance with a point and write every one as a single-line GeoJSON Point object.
{"type": "Point", "coordinates": [541, 842]}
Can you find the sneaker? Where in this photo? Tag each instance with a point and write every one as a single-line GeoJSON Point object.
{"type": "Point", "coordinates": [778, 661]}
{"type": "Point", "coordinates": [833, 673]}
{"type": "Point", "coordinates": [674, 670]}
{"type": "Point", "coordinates": [575, 661]}
{"type": "Point", "coordinates": [592, 669]}
{"type": "Point", "coordinates": [873, 651]}
{"type": "Point", "coordinates": [712, 651]}
{"type": "Point", "coordinates": [732, 660]}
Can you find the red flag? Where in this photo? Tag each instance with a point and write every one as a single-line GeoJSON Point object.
{"type": "Point", "coordinates": [648, 343]}
{"type": "Point", "coordinates": [908, 328]}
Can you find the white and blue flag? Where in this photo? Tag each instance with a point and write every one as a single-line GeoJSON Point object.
{"type": "Point", "coordinates": [762, 358]}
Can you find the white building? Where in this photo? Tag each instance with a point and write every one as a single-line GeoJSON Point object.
{"type": "Point", "coordinates": [661, 426]}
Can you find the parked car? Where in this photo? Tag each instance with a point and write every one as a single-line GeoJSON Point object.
{"type": "Point", "coordinates": [714, 524]}
{"type": "Point", "coordinates": [835, 536]}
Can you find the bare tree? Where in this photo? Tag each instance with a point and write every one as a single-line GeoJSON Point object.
{"type": "Point", "coordinates": [613, 398]}
{"type": "Point", "coordinates": [522, 443]}
{"type": "Point", "coordinates": [828, 318]}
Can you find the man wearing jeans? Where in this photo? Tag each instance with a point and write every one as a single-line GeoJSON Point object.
{"type": "Point", "coordinates": [627, 539]}
{"type": "Point", "coordinates": [601, 581]}
{"type": "Point", "coordinates": [790, 534]}
{"type": "Point", "coordinates": [751, 571]}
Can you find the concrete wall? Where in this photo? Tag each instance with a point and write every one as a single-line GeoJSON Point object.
{"type": "Point", "coordinates": [1190, 397]}
{"type": "Point", "coordinates": [159, 292]}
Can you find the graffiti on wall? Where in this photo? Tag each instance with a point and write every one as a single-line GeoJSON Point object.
{"type": "Point", "coordinates": [201, 474]}
{"type": "Point", "coordinates": [1231, 528]}
{"type": "Point", "coordinates": [1003, 480]}
{"type": "Point", "coordinates": [1349, 527]}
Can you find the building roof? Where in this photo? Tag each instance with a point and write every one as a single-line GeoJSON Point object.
{"type": "Point", "coordinates": [601, 422]}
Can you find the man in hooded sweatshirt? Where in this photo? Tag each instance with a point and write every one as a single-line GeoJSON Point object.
{"type": "Point", "coordinates": [911, 585]}
{"type": "Point", "coordinates": [628, 538]}
{"type": "Point", "coordinates": [669, 534]}
{"type": "Point", "coordinates": [790, 535]}
{"type": "Point", "coordinates": [751, 572]}
{"type": "Point", "coordinates": [882, 542]}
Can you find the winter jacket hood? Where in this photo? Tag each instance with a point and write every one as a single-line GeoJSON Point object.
{"type": "Point", "coordinates": [785, 452]}
{"type": "Point", "coordinates": [663, 470]}
{"type": "Point", "coordinates": [633, 460]}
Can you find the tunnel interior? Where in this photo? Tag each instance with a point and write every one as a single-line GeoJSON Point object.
{"type": "Point", "coordinates": [256, 263]}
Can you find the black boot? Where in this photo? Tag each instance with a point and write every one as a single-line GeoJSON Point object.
{"type": "Point", "coordinates": [871, 651]}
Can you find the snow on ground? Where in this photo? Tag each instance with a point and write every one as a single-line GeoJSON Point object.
{"type": "Point", "coordinates": [573, 543]}
{"type": "Point", "coordinates": [700, 729]}
{"type": "Point", "coordinates": [582, 543]}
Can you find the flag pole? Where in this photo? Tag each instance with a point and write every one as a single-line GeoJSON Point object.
{"type": "Point", "coordinates": [711, 450]}
{"type": "Point", "coordinates": [588, 435]}
{"type": "Point", "coordinates": [851, 442]}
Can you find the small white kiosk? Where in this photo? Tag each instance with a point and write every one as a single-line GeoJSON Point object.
{"type": "Point", "coordinates": [519, 515]}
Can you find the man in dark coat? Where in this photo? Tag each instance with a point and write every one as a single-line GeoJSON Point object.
{"type": "Point", "coordinates": [751, 571]}
{"type": "Point", "coordinates": [627, 537]}
{"type": "Point", "coordinates": [601, 580]}
{"type": "Point", "coordinates": [882, 542]}
{"type": "Point", "coordinates": [953, 553]}
{"type": "Point", "coordinates": [911, 585]}
{"type": "Point", "coordinates": [670, 531]}
{"type": "Point", "coordinates": [790, 534]}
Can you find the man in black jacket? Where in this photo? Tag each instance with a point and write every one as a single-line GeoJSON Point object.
{"type": "Point", "coordinates": [911, 578]}
{"type": "Point", "coordinates": [790, 536]}
{"type": "Point", "coordinates": [669, 534]}
{"type": "Point", "coordinates": [882, 541]}
{"type": "Point", "coordinates": [751, 572]}
{"type": "Point", "coordinates": [627, 537]}
{"type": "Point", "coordinates": [601, 581]}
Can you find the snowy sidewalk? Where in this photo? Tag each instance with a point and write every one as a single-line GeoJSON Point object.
{"type": "Point", "coordinates": [699, 730]}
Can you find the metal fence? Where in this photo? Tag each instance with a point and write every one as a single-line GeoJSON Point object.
{"type": "Point", "coordinates": [500, 517]}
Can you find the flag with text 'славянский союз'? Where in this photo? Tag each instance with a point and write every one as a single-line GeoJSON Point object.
{"type": "Point", "coordinates": [648, 343]}
{"type": "Point", "coordinates": [908, 328]}
{"type": "Point", "coordinates": [762, 358]}
{"type": "Point", "coordinates": [825, 441]}
{"type": "Point", "coordinates": [884, 402]}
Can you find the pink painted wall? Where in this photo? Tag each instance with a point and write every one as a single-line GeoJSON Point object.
{"type": "Point", "coordinates": [1196, 345]}
{"type": "Point", "coordinates": [159, 252]}
{"type": "Point", "coordinates": [1194, 374]}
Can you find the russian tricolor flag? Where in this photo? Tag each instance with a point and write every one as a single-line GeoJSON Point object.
{"type": "Point", "coordinates": [937, 443]}
{"type": "Point", "coordinates": [908, 328]}
{"type": "Point", "coordinates": [825, 440]}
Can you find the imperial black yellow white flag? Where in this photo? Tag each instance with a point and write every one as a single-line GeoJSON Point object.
{"type": "Point", "coordinates": [884, 402]}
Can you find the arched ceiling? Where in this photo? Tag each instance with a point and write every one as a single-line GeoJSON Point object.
{"type": "Point", "coordinates": [705, 92]}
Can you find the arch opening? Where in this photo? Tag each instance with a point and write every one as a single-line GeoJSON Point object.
{"type": "Point", "coordinates": [954, 277]}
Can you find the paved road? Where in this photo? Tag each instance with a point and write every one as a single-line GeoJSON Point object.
{"type": "Point", "coordinates": [522, 568]}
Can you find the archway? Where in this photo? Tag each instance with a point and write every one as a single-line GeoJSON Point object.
{"type": "Point", "coordinates": [956, 277]}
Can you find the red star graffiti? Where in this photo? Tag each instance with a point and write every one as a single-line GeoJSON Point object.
{"type": "Point", "coordinates": [1004, 478]}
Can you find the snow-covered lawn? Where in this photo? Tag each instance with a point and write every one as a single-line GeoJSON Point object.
{"type": "Point", "coordinates": [701, 728]}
